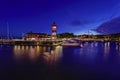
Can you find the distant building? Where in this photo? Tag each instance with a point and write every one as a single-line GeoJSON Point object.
{"type": "Point", "coordinates": [37, 36]}
{"type": "Point", "coordinates": [54, 35]}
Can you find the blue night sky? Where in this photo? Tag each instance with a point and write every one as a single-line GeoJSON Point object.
{"type": "Point", "coordinates": [77, 16]}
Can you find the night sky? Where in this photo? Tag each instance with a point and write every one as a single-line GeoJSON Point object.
{"type": "Point", "coordinates": [77, 16]}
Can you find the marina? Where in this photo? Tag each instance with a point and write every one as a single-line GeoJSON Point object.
{"type": "Point", "coordinates": [49, 42]}
{"type": "Point", "coordinates": [94, 61]}
{"type": "Point", "coordinates": [59, 39]}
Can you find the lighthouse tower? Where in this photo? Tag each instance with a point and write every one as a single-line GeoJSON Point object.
{"type": "Point", "coordinates": [54, 27]}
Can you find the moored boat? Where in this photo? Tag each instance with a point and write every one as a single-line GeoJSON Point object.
{"type": "Point", "coordinates": [71, 43]}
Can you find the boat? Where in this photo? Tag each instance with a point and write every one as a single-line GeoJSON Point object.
{"type": "Point", "coordinates": [70, 43]}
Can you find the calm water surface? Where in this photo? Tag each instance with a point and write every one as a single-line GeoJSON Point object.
{"type": "Point", "coordinates": [94, 61]}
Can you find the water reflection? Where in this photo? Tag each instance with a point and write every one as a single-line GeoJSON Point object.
{"type": "Point", "coordinates": [17, 51]}
{"type": "Point", "coordinates": [97, 59]}
{"type": "Point", "coordinates": [106, 48]}
{"type": "Point", "coordinates": [49, 54]}
{"type": "Point", "coordinates": [32, 53]}
{"type": "Point", "coordinates": [96, 44]}
{"type": "Point", "coordinates": [89, 50]}
{"type": "Point", "coordinates": [117, 46]}
{"type": "Point", "coordinates": [53, 54]}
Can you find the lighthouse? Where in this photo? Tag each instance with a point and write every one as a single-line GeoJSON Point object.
{"type": "Point", "coordinates": [54, 27]}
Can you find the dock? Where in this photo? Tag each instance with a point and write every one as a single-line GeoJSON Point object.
{"type": "Point", "coordinates": [32, 43]}
{"type": "Point", "coordinates": [47, 42]}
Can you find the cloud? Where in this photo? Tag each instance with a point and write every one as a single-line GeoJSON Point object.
{"type": "Point", "coordinates": [109, 27]}
{"type": "Point", "coordinates": [79, 22]}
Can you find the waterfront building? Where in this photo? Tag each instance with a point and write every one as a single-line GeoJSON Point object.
{"type": "Point", "coordinates": [37, 36]}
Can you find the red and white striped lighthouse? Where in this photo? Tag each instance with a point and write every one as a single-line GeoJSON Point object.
{"type": "Point", "coordinates": [54, 27]}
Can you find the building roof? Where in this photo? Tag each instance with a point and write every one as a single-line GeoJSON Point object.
{"type": "Point", "coordinates": [37, 33]}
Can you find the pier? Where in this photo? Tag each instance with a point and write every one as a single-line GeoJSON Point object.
{"type": "Point", "coordinates": [56, 42]}
{"type": "Point", "coordinates": [27, 42]}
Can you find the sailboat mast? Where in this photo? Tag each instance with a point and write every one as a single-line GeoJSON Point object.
{"type": "Point", "coordinates": [7, 31]}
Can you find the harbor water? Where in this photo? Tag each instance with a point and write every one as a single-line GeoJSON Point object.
{"type": "Point", "coordinates": [91, 61]}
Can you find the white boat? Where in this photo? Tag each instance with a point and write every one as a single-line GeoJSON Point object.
{"type": "Point", "coordinates": [70, 43]}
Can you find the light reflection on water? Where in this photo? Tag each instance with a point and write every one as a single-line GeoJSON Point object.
{"type": "Point", "coordinates": [106, 48]}
{"type": "Point", "coordinates": [96, 59]}
{"type": "Point", "coordinates": [50, 54]}
{"type": "Point", "coordinates": [94, 49]}
{"type": "Point", "coordinates": [54, 53]}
